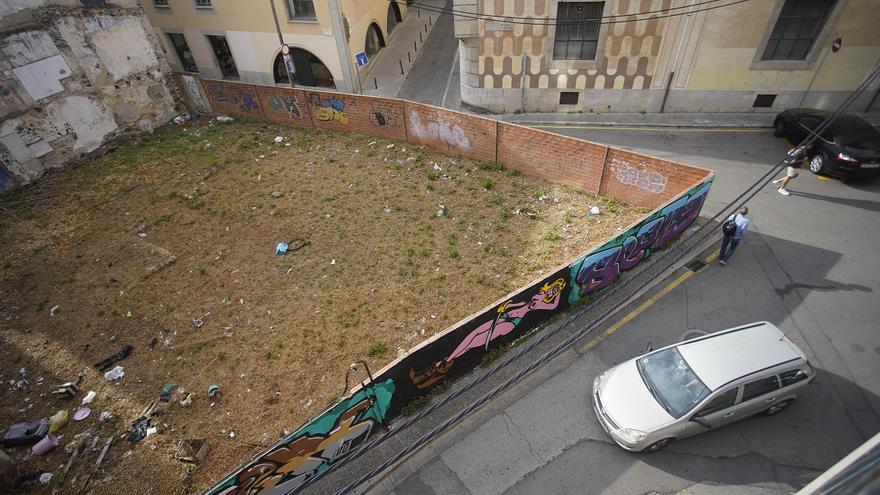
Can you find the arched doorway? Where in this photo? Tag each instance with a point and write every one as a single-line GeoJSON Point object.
{"type": "Point", "coordinates": [393, 17]}
{"type": "Point", "coordinates": [375, 41]}
{"type": "Point", "coordinates": [308, 70]}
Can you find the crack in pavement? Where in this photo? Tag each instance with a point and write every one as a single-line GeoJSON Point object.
{"type": "Point", "coordinates": [508, 422]}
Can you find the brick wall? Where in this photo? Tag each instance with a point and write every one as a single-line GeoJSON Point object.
{"type": "Point", "coordinates": [233, 98]}
{"type": "Point", "coordinates": [632, 177]}
{"type": "Point", "coordinates": [285, 105]}
{"type": "Point", "coordinates": [451, 132]}
{"type": "Point", "coordinates": [644, 180]}
{"type": "Point", "coordinates": [561, 159]}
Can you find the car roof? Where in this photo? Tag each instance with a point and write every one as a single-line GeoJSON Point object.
{"type": "Point", "coordinates": [722, 357]}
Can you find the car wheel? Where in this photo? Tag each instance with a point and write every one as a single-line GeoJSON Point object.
{"type": "Point", "coordinates": [776, 408]}
{"type": "Point", "coordinates": [778, 128]}
{"type": "Point", "coordinates": [656, 446]}
{"type": "Point", "coordinates": [817, 164]}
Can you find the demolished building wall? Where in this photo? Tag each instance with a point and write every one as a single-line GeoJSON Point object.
{"type": "Point", "coordinates": [73, 75]}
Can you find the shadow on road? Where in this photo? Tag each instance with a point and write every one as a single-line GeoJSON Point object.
{"type": "Point", "coordinates": [853, 203]}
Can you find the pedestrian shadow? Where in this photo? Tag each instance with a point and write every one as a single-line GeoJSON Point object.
{"type": "Point", "coordinates": [862, 204]}
{"type": "Point", "coordinates": [830, 287]}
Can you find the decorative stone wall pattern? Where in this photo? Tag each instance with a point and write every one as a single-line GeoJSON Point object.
{"type": "Point", "coordinates": [628, 59]}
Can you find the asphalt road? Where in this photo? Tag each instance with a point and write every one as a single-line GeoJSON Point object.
{"type": "Point", "coordinates": [807, 265]}
{"type": "Point", "coordinates": [429, 78]}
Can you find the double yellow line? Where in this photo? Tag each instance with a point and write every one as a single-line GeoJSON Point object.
{"type": "Point", "coordinates": [645, 305]}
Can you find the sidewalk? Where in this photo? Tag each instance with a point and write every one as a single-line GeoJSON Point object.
{"type": "Point", "coordinates": [718, 120]}
{"type": "Point", "coordinates": [402, 49]}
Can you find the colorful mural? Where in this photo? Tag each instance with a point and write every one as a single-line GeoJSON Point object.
{"type": "Point", "coordinates": [296, 459]}
{"type": "Point", "coordinates": [333, 435]}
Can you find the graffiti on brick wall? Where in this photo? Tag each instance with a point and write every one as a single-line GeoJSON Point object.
{"type": "Point", "coordinates": [638, 175]}
{"type": "Point", "coordinates": [284, 103]}
{"type": "Point", "coordinates": [602, 268]}
{"type": "Point", "coordinates": [386, 115]}
{"type": "Point", "coordinates": [508, 316]}
{"type": "Point", "coordinates": [313, 449]}
{"type": "Point", "coordinates": [242, 97]}
{"type": "Point", "coordinates": [439, 131]}
{"type": "Point", "coordinates": [328, 108]}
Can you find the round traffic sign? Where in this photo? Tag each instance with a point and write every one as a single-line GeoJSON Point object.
{"type": "Point", "coordinates": [285, 50]}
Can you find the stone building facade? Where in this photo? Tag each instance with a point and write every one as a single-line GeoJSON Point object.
{"type": "Point", "coordinates": [665, 55]}
{"type": "Point", "coordinates": [73, 75]}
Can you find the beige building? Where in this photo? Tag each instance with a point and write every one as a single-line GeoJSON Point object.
{"type": "Point", "coordinates": [237, 39]}
{"type": "Point", "coordinates": [666, 55]}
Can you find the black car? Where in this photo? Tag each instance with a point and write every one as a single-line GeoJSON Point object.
{"type": "Point", "coordinates": [849, 147]}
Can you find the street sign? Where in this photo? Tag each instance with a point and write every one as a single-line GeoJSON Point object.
{"type": "Point", "coordinates": [361, 59]}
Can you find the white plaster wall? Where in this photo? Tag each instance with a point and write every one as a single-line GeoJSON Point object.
{"type": "Point", "coordinates": [89, 119]}
{"type": "Point", "coordinates": [27, 47]}
{"type": "Point", "coordinates": [123, 58]}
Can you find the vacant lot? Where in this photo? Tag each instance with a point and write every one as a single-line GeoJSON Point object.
{"type": "Point", "coordinates": [168, 244]}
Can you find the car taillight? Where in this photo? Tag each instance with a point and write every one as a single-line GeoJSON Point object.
{"type": "Point", "coordinates": [846, 158]}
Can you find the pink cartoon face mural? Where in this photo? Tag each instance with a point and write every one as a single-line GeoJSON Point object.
{"type": "Point", "coordinates": [509, 316]}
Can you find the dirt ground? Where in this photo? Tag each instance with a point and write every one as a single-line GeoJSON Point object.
{"type": "Point", "coordinates": [168, 244]}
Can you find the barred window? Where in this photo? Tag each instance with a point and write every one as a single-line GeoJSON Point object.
{"type": "Point", "coordinates": [577, 30]}
{"type": "Point", "coordinates": [160, 3]}
{"type": "Point", "coordinates": [203, 3]}
{"type": "Point", "coordinates": [797, 28]}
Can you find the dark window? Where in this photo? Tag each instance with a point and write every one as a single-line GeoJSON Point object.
{"type": "Point", "coordinates": [759, 388]}
{"type": "Point", "coordinates": [568, 98]}
{"type": "Point", "coordinates": [224, 56]}
{"type": "Point", "coordinates": [178, 41]}
{"type": "Point", "coordinates": [374, 40]}
{"type": "Point", "coordinates": [301, 9]}
{"type": "Point", "coordinates": [764, 101]}
{"type": "Point", "coordinates": [792, 377]}
{"type": "Point", "coordinates": [799, 23]}
{"type": "Point", "coordinates": [393, 17]}
{"type": "Point", "coordinates": [160, 3]}
{"type": "Point", "coordinates": [577, 30]}
{"type": "Point", "coordinates": [723, 401]}
{"type": "Point", "coordinates": [308, 70]}
{"type": "Point", "coordinates": [203, 3]}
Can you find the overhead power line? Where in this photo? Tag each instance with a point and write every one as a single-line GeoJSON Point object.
{"type": "Point", "coordinates": [545, 21]}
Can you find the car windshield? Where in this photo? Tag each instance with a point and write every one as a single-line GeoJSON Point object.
{"type": "Point", "coordinates": [854, 131]}
{"type": "Point", "coordinates": [672, 381]}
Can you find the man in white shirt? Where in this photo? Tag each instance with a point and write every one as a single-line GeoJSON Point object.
{"type": "Point", "coordinates": [728, 243]}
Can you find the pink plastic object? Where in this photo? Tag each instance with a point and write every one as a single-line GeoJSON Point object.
{"type": "Point", "coordinates": [48, 443]}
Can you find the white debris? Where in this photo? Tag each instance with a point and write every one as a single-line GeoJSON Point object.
{"type": "Point", "coordinates": [279, 139]}
{"type": "Point", "coordinates": [332, 262]}
{"type": "Point", "coordinates": [45, 478]}
{"type": "Point", "coordinates": [115, 373]}
{"type": "Point", "coordinates": [437, 167]}
{"type": "Point", "coordinates": [231, 434]}
{"type": "Point", "coordinates": [371, 143]}
{"type": "Point", "coordinates": [390, 146]}
{"type": "Point", "coordinates": [594, 211]}
{"type": "Point", "coordinates": [54, 310]}
{"type": "Point", "coordinates": [223, 119]}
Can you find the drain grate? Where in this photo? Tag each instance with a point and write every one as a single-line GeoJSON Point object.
{"type": "Point", "coordinates": [695, 265]}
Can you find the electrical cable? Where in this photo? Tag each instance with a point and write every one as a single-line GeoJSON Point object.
{"type": "Point", "coordinates": [544, 21]}
{"type": "Point", "coordinates": [709, 227]}
{"type": "Point", "coordinates": [501, 17]}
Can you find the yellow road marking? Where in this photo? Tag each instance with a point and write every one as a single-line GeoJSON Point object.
{"type": "Point", "coordinates": [645, 305]}
{"type": "Point", "coordinates": [669, 129]}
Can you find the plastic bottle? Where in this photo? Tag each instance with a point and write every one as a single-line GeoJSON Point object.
{"type": "Point", "coordinates": [58, 420]}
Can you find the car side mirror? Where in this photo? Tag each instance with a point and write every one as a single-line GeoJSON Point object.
{"type": "Point", "coordinates": [701, 421]}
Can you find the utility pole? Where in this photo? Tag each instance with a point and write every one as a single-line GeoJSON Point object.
{"type": "Point", "coordinates": [288, 65]}
{"type": "Point", "coordinates": [342, 48]}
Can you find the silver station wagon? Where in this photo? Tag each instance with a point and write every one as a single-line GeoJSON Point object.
{"type": "Point", "coordinates": [700, 384]}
